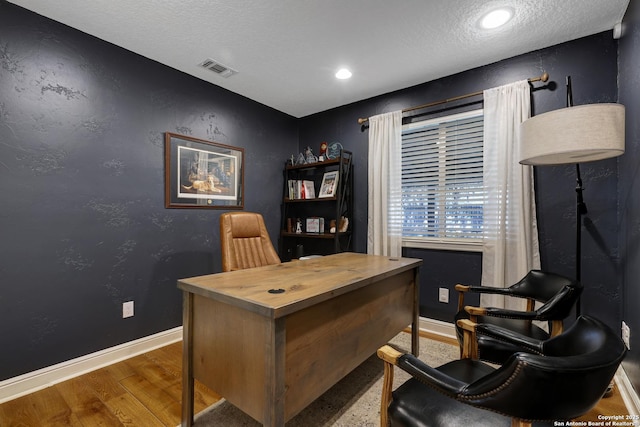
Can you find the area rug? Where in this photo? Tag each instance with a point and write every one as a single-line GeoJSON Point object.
{"type": "Point", "coordinates": [352, 402]}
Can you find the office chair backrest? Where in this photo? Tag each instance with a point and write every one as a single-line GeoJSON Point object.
{"type": "Point", "coordinates": [245, 242]}
{"type": "Point", "coordinates": [561, 304]}
{"type": "Point", "coordinates": [542, 286]}
{"type": "Point", "coordinates": [558, 294]}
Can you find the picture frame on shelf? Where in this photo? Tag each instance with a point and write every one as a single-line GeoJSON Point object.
{"type": "Point", "coordinates": [309, 189]}
{"type": "Point", "coordinates": [329, 184]}
{"type": "Point", "coordinates": [202, 174]}
{"type": "Point", "coordinates": [315, 225]}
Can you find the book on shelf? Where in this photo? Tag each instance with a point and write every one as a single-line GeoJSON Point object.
{"type": "Point", "coordinates": [291, 188]}
{"type": "Point", "coordinates": [301, 189]}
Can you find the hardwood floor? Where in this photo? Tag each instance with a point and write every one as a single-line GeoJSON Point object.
{"type": "Point", "coordinates": [145, 390]}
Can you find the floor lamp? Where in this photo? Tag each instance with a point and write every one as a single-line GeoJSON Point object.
{"type": "Point", "coordinates": [571, 135]}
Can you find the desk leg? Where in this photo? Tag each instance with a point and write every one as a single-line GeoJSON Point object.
{"type": "Point", "coordinates": [187, 357]}
{"type": "Point", "coordinates": [415, 327]}
{"type": "Point", "coordinates": [275, 368]}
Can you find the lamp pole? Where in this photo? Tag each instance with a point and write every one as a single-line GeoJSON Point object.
{"type": "Point", "coordinates": [581, 207]}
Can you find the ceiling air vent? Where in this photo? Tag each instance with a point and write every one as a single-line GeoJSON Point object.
{"type": "Point", "coordinates": [218, 68]}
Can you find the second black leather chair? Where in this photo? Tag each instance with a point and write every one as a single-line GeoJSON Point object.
{"type": "Point", "coordinates": [558, 295]}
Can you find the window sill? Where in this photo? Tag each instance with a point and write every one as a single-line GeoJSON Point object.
{"type": "Point", "coordinates": [443, 245]}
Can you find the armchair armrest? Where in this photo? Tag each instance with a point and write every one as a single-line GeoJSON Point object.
{"type": "Point", "coordinates": [418, 369]}
{"type": "Point", "coordinates": [483, 289]}
{"type": "Point", "coordinates": [469, 348]}
{"type": "Point", "coordinates": [411, 364]}
{"type": "Point", "coordinates": [421, 371]}
{"type": "Point", "coordinates": [389, 356]}
{"type": "Point", "coordinates": [475, 311]}
{"type": "Point", "coordinates": [510, 337]}
{"type": "Point", "coordinates": [462, 289]}
{"type": "Point", "coordinates": [500, 312]}
{"type": "Point", "coordinates": [431, 376]}
{"type": "Point", "coordinates": [472, 332]}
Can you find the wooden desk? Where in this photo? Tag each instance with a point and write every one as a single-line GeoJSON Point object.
{"type": "Point", "coordinates": [272, 354]}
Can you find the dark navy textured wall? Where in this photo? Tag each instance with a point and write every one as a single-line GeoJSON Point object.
{"type": "Point", "coordinates": [592, 64]}
{"type": "Point", "coordinates": [630, 185]}
{"type": "Point", "coordinates": [83, 224]}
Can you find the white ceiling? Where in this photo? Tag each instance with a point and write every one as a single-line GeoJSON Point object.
{"type": "Point", "coordinates": [287, 51]}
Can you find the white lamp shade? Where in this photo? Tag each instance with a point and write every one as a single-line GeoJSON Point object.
{"type": "Point", "coordinates": [583, 133]}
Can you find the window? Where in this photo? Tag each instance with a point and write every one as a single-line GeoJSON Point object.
{"type": "Point", "coordinates": [442, 189]}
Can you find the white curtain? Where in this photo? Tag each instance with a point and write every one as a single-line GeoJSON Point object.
{"type": "Point", "coordinates": [510, 242]}
{"type": "Point", "coordinates": [384, 236]}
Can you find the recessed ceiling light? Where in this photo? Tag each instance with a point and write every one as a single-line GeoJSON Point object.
{"type": "Point", "coordinates": [496, 18]}
{"type": "Point", "coordinates": [343, 73]}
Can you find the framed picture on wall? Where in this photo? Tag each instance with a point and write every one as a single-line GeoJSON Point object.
{"type": "Point", "coordinates": [202, 174]}
{"type": "Point", "coordinates": [329, 184]}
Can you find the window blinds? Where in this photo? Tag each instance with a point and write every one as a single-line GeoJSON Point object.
{"type": "Point", "coordinates": [442, 189]}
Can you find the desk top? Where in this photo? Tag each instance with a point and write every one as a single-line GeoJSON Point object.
{"type": "Point", "coordinates": [305, 282]}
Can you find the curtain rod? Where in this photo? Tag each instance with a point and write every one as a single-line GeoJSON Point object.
{"type": "Point", "coordinates": [543, 78]}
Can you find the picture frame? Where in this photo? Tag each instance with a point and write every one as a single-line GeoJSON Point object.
{"type": "Point", "coordinates": [329, 184]}
{"type": "Point", "coordinates": [309, 189]}
{"type": "Point", "coordinates": [202, 174]}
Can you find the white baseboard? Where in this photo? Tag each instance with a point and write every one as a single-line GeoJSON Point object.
{"type": "Point", "coordinates": [30, 382]}
{"type": "Point", "coordinates": [438, 327]}
{"type": "Point", "coordinates": [627, 392]}
{"type": "Point", "coordinates": [37, 380]}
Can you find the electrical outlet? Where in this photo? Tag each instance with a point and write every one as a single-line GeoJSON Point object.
{"type": "Point", "coordinates": [443, 295]}
{"type": "Point", "coordinates": [127, 309]}
{"type": "Point", "coordinates": [626, 335]}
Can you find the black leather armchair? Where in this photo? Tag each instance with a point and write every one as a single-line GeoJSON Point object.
{"type": "Point", "coordinates": [558, 295]}
{"type": "Point", "coordinates": [564, 383]}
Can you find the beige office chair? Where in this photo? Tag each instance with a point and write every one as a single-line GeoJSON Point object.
{"type": "Point", "coordinates": [245, 242]}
